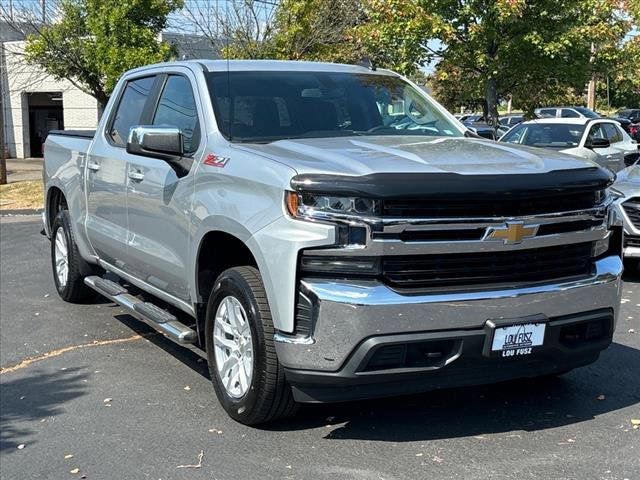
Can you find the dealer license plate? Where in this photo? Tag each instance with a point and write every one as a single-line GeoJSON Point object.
{"type": "Point", "coordinates": [517, 340]}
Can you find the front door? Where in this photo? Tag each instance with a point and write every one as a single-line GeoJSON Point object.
{"type": "Point", "coordinates": [106, 175]}
{"type": "Point", "coordinates": [159, 196]}
{"type": "Point", "coordinates": [609, 157]}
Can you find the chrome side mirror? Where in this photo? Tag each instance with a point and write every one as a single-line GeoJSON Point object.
{"type": "Point", "coordinates": [165, 143]}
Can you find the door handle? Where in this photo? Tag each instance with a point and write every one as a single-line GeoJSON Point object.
{"type": "Point", "coordinates": [93, 166]}
{"type": "Point", "coordinates": [136, 176]}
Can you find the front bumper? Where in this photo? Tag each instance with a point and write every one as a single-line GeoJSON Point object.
{"type": "Point", "coordinates": [353, 318]}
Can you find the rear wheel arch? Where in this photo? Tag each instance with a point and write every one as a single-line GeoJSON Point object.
{"type": "Point", "coordinates": [56, 202]}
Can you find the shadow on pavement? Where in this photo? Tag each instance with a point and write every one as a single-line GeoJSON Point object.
{"type": "Point", "coordinates": [32, 398]}
{"type": "Point", "coordinates": [186, 356]}
{"type": "Point", "coordinates": [631, 272]}
{"type": "Point", "coordinates": [522, 405]}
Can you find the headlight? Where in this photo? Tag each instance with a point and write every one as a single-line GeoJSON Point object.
{"type": "Point", "coordinates": [310, 205]}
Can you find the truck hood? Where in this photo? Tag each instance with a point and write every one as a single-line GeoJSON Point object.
{"type": "Point", "coordinates": [359, 156]}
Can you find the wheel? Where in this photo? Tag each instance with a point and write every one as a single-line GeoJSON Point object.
{"type": "Point", "coordinates": [66, 262]}
{"type": "Point", "coordinates": [247, 377]}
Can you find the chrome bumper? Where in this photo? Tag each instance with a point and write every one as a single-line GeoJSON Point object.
{"type": "Point", "coordinates": [347, 313]}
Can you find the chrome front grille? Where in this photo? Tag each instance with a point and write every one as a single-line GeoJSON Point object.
{"type": "Point", "coordinates": [632, 209]}
{"type": "Point", "coordinates": [486, 269]}
{"type": "Point", "coordinates": [422, 254]}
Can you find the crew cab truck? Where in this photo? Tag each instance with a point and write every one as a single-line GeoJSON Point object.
{"type": "Point", "coordinates": [326, 232]}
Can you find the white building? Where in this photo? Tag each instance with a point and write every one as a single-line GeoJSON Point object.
{"type": "Point", "coordinates": [34, 103]}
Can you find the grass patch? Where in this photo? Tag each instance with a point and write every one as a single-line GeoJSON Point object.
{"type": "Point", "coordinates": [21, 195]}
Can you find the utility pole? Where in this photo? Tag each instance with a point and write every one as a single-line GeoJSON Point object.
{"type": "Point", "coordinates": [3, 151]}
{"type": "Point", "coordinates": [591, 89]}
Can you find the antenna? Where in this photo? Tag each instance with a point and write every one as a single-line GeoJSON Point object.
{"type": "Point", "coordinates": [367, 63]}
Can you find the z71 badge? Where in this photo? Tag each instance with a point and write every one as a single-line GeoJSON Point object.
{"type": "Point", "coordinates": [216, 161]}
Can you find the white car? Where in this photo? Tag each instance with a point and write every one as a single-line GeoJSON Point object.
{"type": "Point", "coordinates": [600, 140]}
{"type": "Point", "coordinates": [565, 112]}
{"type": "Point", "coordinates": [627, 188]}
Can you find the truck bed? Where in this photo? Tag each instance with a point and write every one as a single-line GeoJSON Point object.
{"type": "Point", "coordinates": [74, 133]}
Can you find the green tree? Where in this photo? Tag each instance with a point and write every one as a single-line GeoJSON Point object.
{"type": "Point", "coordinates": [493, 48]}
{"type": "Point", "coordinates": [318, 30]}
{"type": "Point", "coordinates": [95, 41]}
{"type": "Point", "coordinates": [315, 30]}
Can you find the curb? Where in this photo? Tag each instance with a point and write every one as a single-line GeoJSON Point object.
{"type": "Point", "coordinates": [21, 212]}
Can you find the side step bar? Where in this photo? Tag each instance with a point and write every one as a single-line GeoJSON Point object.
{"type": "Point", "coordinates": [151, 314]}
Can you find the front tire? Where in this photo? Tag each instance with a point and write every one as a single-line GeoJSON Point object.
{"type": "Point", "coordinates": [66, 262]}
{"type": "Point", "coordinates": [247, 377]}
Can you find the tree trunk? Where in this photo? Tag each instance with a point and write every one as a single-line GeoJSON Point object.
{"type": "Point", "coordinates": [492, 102]}
{"type": "Point", "coordinates": [3, 157]}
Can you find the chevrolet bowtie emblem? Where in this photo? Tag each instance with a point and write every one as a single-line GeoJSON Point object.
{"type": "Point", "coordinates": [512, 232]}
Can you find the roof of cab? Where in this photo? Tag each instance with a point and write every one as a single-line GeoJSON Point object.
{"type": "Point", "coordinates": [266, 65]}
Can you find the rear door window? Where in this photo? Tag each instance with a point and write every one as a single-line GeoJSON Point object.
{"type": "Point", "coordinates": [548, 112]}
{"type": "Point", "coordinates": [177, 108]}
{"type": "Point", "coordinates": [569, 113]}
{"type": "Point", "coordinates": [612, 133]}
{"type": "Point", "coordinates": [130, 109]}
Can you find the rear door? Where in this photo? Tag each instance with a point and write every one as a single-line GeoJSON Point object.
{"type": "Point", "coordinates": [159, 197]}
{"type": "Point", "coordinates": [106, 173]}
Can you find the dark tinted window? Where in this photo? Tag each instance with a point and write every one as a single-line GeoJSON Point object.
{"type": "Point", "coordinates": [568, 113]}
{"type": "Point", "coordinates": [130, 108]}
{"type": "Point", "coordinates": [586, 112]}
{"type": "Point", "coordinates": [613, 133]}
{"type": "Point", "coordinates": [177, 108]}
{"type": "Point", "coordinates": [270, 106]}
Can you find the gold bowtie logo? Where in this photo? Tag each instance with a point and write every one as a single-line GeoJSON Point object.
{"type": "Point", "coordinates": [512, 232]}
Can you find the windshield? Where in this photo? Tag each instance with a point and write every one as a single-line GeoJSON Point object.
{"type": "Point", "coordinates": [269, 106]}
{"type": "Point", "coordinates": [547, 135]}
{"type": "Point", "coordinates": [586, 112]}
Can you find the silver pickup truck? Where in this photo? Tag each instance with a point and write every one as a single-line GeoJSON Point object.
{"type": "Point", "coordinates": [327, 232]}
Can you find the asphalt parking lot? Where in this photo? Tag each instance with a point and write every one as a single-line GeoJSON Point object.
{"type": "Point", "coordinates": [88, 392]}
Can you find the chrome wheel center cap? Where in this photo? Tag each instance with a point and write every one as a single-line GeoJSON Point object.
{"type": "Point", "coordinates": [233, 347]}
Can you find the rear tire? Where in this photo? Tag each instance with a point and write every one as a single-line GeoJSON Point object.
{"type": "Point", "coordinates": [66, 263]}
{"type": "Point", "coordinates": [252, 388]}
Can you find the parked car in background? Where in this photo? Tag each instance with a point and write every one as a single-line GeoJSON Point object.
{"type": "Point", "coordinates": [600, 140]}
{"type": "Point", "coordinates": [478, 125]}
{"type": "Point", "coordinates": [632, 115]}
{"type": "Point", "coordinates": [483, 129]}
{"type": "Point", "coordinates": [511, 120]}
{"type": "Point", "coordinates": [627, 188]}
{"type": "Point", "coordinates": [470, 118]}
{"type": "Point", "coordinates": [565, 112]}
